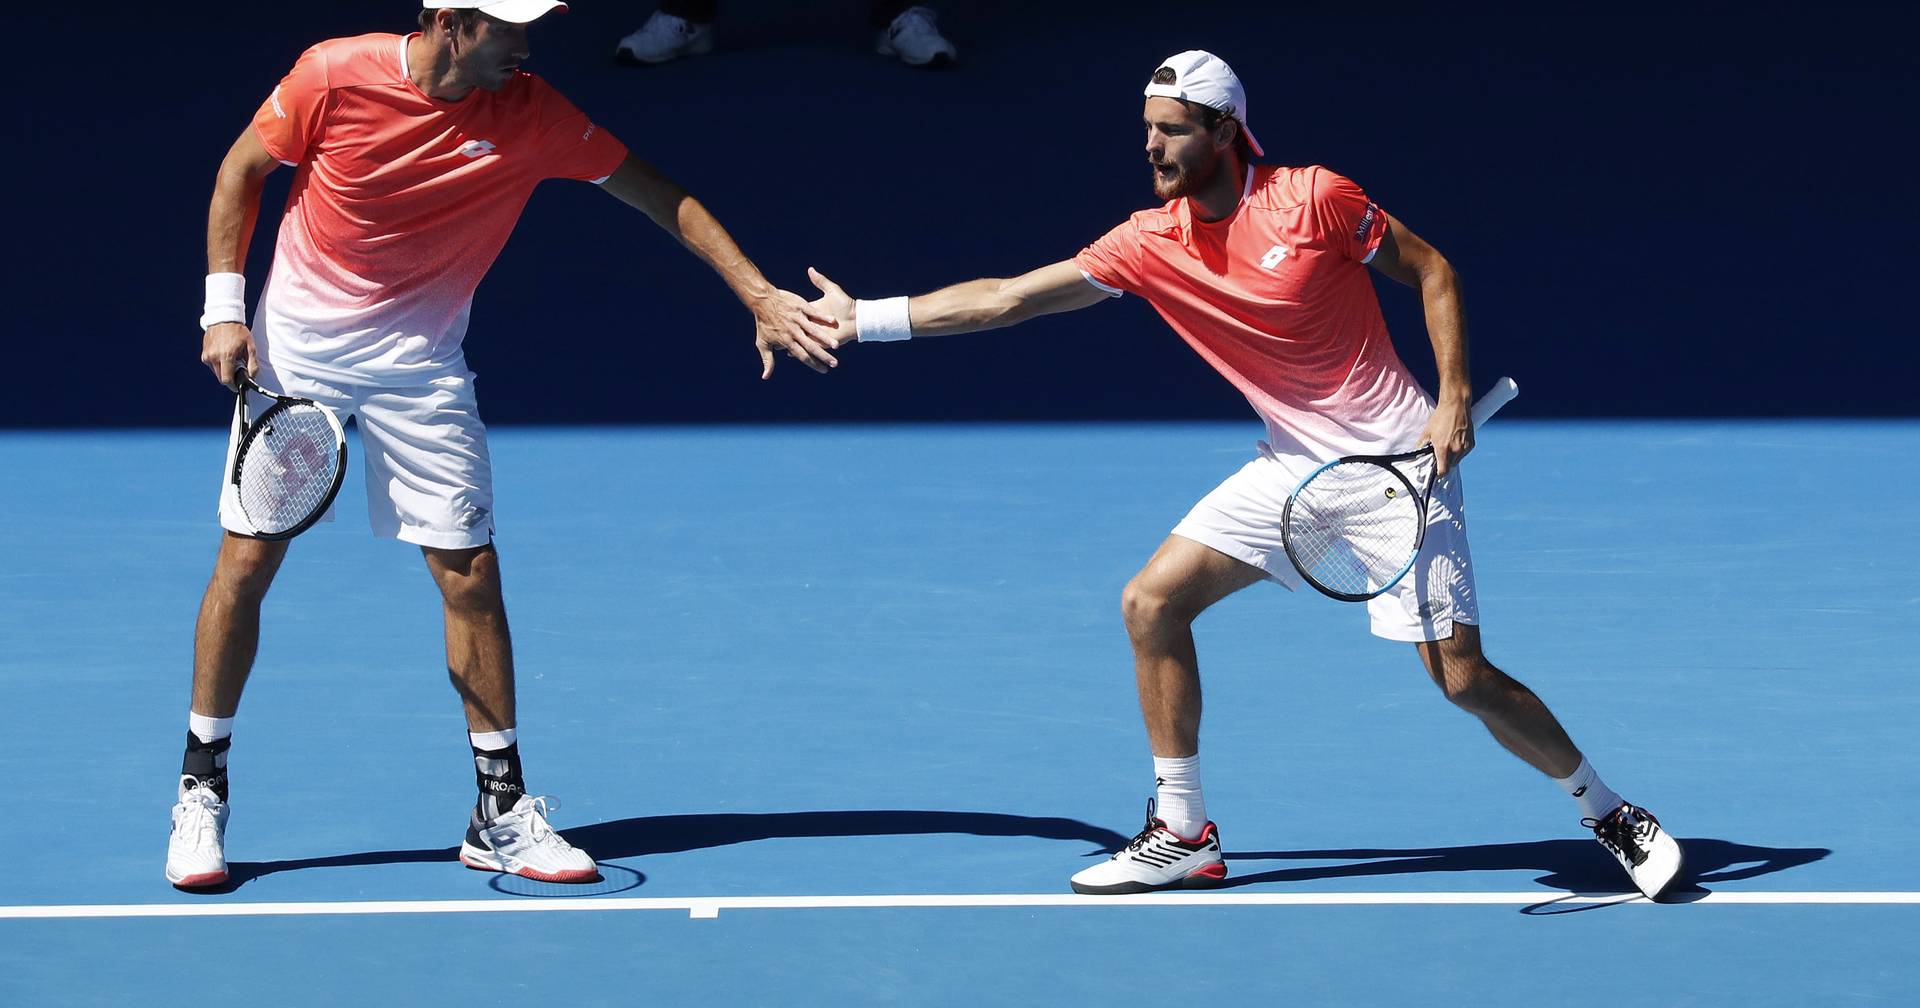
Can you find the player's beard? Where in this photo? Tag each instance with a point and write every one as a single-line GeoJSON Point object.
{"type": "Point", "coordinates": [1181, 181]}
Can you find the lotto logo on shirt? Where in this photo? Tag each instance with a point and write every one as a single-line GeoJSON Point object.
{"type": "Point", "coordinates": [475, 148]}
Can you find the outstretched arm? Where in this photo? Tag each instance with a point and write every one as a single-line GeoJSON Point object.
{"type": "Point", "coordinates": [1405, 257]}
{"type": "Point", "coordinates": [967, 307]}
{"type": "Point", "coordinates": [782, 319]}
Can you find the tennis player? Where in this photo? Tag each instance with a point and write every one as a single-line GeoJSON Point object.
{"type": "Point", "coordinates": [413, 158]}
{"type": "Point", "coordinates": [1263, 271]}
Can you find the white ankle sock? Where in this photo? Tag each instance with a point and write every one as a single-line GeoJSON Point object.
{"type": "Point", "coordinates": [209, 729]}
{"type": "Point", "coordinates": [1177, 799]}
{"type": "Point", "coordinates": [492, 741]}
{"type": "Point", "coordinates": [1595, 797]}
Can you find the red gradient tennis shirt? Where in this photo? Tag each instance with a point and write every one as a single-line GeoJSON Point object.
{"type": "Point", "coordinates": [400, 204]}
{"type": "Point", "coordinates": [1278, 298]}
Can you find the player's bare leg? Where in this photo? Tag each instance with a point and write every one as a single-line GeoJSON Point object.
{"type": "Point", "coordinates": [227, 633]}
{"type": "Point", "coordinates": [1181, 581]}
{"type": "Point", "coordinates": [509, 830]}
{"type": "Point", "coordinates": [225, 638]}
{"type": "Point", "coordinates": [1178, 848]}
{"type": "Point", "coordinates": [479, 649]}
{"type": "Point", "coordinates": [1521, 722]}
{"type": "Point", "coordinates": [1515, 716]}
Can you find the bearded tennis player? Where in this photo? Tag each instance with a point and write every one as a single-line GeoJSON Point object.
{"type": "Point", "coordinates": [413, 157]}
{"type": "Point", "coordinates": [1262, 269]}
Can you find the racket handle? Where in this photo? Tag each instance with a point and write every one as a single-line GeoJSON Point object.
{"type": "Point", "coordinates": [1501, 394]}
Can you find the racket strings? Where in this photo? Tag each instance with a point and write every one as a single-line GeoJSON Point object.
{"type": "Point", "coordinates": [288, 468]}
{"type": "Point", "coordinates": [1354, 527]}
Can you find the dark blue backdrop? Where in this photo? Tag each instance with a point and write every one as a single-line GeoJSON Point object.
{"type": "Point", "coordinates": [1700, 213]}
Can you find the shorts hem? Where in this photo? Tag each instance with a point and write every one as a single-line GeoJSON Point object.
{"type": "Point", "coordinates": [438, 539]}
{"type": "Point", "coordinates": [1213, 540]}
{"type": "Point", "coordinates": [1420, 634]}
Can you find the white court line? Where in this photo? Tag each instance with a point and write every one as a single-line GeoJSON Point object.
{"type": "Point", "coordinates": [707, 907]}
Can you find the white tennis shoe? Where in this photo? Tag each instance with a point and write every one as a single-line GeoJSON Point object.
{"type": "Point", "coordinates": [664, 37]}
{"type": "Point", "coordinates": [520, 842]}
{"type": "Point", "coordinates": [1634, 838]}
{"type": "Point", "coordinates": [196, 849]}
{"type": "Point", "coordinates": [1156, 859]}
{"type": "Point", "coordinates": [916, 40]}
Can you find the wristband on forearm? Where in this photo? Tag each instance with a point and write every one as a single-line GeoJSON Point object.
{"type": "Point", "coordinates": [226, 300]}
{"type": "Point", "coordinates": [882, 321]}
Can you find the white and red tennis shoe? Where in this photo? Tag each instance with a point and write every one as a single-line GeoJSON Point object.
{"type": "Point", "coordinates": [1634, 838]}
{"type": "Point", "coordinates": [1155, 859]}
{"type": "Point", "coordinates": [520, 842]}
{"type": "Point", "coordinates": [196, 849]}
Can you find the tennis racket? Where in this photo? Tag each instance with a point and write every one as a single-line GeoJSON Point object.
{"type": "Point", "coordinates": [289, 464]}
{"type": "Point", "coordinates": [1354, 526]}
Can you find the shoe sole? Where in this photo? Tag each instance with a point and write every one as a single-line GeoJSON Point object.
{"type": "Point", "coordinates": [938, 61]}
{"type": "Point", "coordinates": [479, 860]}
{"type": "Point", "coordinates": [204, 880]}
{"type": "Point", "coordinates": [626, 57]}
{"type": "Point", "coordinates": [1201, 879]}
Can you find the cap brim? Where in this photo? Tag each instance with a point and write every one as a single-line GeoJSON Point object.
{"type": "Point", "coordinates": [1258, 151]}
{"type": "Point", "coordinates": [521, 11]}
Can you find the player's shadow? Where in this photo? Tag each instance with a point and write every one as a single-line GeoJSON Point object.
{"type": "Point", "coordinates": [1572, 866]}
{"type": "Point", "coordinates": [643, 835]}
{"type": "Point", "coordinates": [670, 834]}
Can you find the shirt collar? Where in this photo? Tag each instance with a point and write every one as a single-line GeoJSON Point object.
{"type": "Point", "coordinates": [1183, 210]}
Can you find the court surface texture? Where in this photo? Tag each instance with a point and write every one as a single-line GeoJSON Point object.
{"type": "Point", "coordinates": [839, 709]}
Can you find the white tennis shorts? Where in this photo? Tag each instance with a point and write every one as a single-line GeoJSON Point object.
{"type": "Point", "coordinates": [423, 450]}
{"type": "Point", "coordinates": [1241, 518]}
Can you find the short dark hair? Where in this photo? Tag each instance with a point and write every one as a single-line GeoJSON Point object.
{"type": "Point", "coordinates": [464, 18]}
{"type": "Point", "coordinates": [1209, 116]}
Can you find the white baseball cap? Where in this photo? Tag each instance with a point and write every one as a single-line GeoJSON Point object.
{"type": "Point", "coordinates": [1200, 76]}
{"type": "Point", "coordinates": [513, 11]}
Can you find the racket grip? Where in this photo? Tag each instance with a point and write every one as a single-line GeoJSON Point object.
{"type": "Point", "coordinates": [1501, 394]}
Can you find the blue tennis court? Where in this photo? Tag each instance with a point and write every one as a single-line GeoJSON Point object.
{"type": "Point", "coordinates": [839, 709]}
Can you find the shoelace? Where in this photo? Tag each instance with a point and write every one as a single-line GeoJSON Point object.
{"type": "Point", "coordinates": [1624, 832]}
{"type": "Point", "coordinates": [194, 814]}
{"type": "Point", "coordinates": [535, 816]}
{"type": "Point", "coordinates": [673, 31]}
{"type": "Point", "coordinates": [1146, 832]}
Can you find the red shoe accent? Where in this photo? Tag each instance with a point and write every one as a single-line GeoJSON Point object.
{"type": "Point", "coordinates": [566, 876]}
{"type": "Point", "coordinates": [1215, 871]}
{"type": "Point", "coordinates": [201, 881]}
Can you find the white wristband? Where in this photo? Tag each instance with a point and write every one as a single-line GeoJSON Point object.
{"type": "Point", "coordinates": [883, 321]}
{"type": "Point", "coordinates": [226, 300]}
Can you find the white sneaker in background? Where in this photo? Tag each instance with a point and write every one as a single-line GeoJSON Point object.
{"type": "Point", "coordinates": [664, 37]}
{"type": "Point", "coordinates": [916, 40]}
